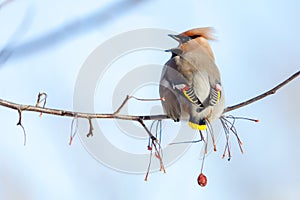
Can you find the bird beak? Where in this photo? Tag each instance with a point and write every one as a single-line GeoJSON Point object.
{"type": "Point", "coordinates": [180, 38]}
{"type": "Point", "coordinates": [175, 37]}
{"type": "Point", "coordinates": [176, 51]}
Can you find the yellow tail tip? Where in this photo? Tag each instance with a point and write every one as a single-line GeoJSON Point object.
{"type": "Point", "coordinates": [201, 127]}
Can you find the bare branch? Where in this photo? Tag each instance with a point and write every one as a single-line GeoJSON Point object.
{"type": "Point", "coordinates": [133, 97]}
{"type": "Point", "coordinates": [66, 113]}
{"type": "Point", "coordinates": [259, 97]}
{"type": "Point", "coordinates": [5, 3]}
{"type": "Point", "coordinates": [74, 125]}
{"type": "Point", "coordinates": [115, 115]}
{"type": "Point", "coordinates": [21, 125]}
{"type": "Point", "coordinates": [158, 153]}
{"type": "Point", "coordinates": [122, 105]}
{"type": "Point", "coordinates": [147, 130]}
{"type": "Point", "coordinates": [90, 133]}
{"type": "Point", "coordinates": [16, 37]}
{"type": "Point", "coordinates": [69, 29]}
{"type": "Point", "coordinates": [42, 97]}
{"type": "Point", "coordinates": [227, 125]}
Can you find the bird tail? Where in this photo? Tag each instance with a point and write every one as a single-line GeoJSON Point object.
{"type": "Point", "coordinates": [201, 125]}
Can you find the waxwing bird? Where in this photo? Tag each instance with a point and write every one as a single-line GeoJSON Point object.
{"type": "Point", "coordinates": [190, 82]}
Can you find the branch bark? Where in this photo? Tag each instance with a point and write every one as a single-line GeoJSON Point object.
{"type": "Point", "coordinates": [42, 98]}
{"type": "Point", "coordinates": [67, 113]}
{"type": "Point", "coordinates": [259, 97]}
{"type": "Point", "coordinates": [116, 115]}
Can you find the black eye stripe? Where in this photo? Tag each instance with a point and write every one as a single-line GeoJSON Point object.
{"type": "Point", "coordinates": [194, 36]}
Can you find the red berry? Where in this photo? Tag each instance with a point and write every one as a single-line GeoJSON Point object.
{"type": "Point", "coordinates": [202, 180]}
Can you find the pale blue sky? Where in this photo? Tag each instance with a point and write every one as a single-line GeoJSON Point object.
{"type": "Point", "coordinates": [257, 47]}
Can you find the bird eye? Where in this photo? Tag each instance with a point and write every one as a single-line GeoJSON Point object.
{"type": "Point", "coordinates": [194, 37]}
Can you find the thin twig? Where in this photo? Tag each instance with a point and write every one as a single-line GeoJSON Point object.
{"type": "Point", "coordinates": [133, 97]}
{"type": "Point", "coordinates": [66, 113]}
{"type": "Point", "coordinates": [71, 28]}
{"type": "Point", "coordinates": [21, 125]}
{"type": "Point", "coordinates": [42, 97]}
{"type": "Point", "coordinates": [74, 125]}
{"type": "Point", "coordinates": [5, 3]}
{"type": "Point", "coordinates": [90, 133]}
{"type": "Point", "coordinates": [259, 97]}
{"type": "Point", "coordinates": [154, 143]}
{"type": "Point", "coordinates": [152, 137]}
{"type": "Point", "coordinates": [122, 105]}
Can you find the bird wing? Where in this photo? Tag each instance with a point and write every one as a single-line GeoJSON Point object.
{"type": "Point", "coordinates": [175, 76]}
{"type": "Point", "coordinates": [202, 74]}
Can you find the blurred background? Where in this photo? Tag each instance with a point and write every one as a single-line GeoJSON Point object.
{"type": "Point", "coordinates": [43, 45]}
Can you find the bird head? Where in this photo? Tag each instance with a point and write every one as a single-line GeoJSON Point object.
{"type": "Point", "coordinates": [193, 34]}
{"type": "Point", "coordinates": [192, 39]}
